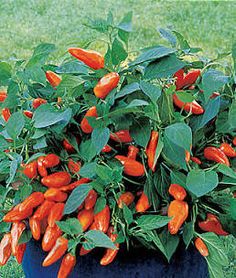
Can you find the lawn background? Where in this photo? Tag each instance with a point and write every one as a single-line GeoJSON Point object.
{"type": "Point", "coordinates": [24, 24]}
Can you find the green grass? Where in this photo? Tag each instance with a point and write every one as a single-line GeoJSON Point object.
{"type": "Point", "coordinates": [24, 24]}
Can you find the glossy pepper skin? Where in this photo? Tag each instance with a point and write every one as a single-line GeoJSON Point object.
{"type": "Point", "coordinates": [178, 210]}
{"type": "Point", "coordinates": [58, 250]}
{"type": "Point", "coordinates": [215, 154]}
{"type": "Point", "coordinates": [102, 220]}
{"type": "Point", "coordinates": [35, 228]}
{"type": "Point", "coordinates": [121, 136]}
{"type": "Point", "coordinates": [132, 152]}
{"type": "Point", "coordinates": [44, 210]}
{"type": "Point", "coordinates": [106, 84]}
{"type": "Point", "coordinates": [186, 80]}
{"type": "Point", "coordinates": [51, 160]}
{"type": "Point", "coordinates": [42, 170]}
{"type": "Point", "coordinates": [85, 126]}
{"type": "Point", "coordinates": [3, 96]}
{"type": "Point", "coordinates": [74, 166]}
{"type": "Point", "coordinates": [55, 195]}
{"type": "Point", "coordinates": [6, 114]}
{"type": "Point", "coordinates": [67, 265]}
{"type": "Point", "coordinates": [196, 160]}
{"type": "Point", "coordinates": [143, 203]}
{"type": "Point", "coordinates": [17, 230]}
{"type": "Point", "coordinates": [228, 150]}
{"type": "Point", "coordinates": [53, 78]}
{"type": "Point", "coordinates": [126, 198]}
{"type": "Point", "coordinates": [20, 251]}
{"type": "Point", "coordinates": [73, 185]}
{"type": "Point", "coordinates": [177, 192]}
{"type": "Point", "coordinates": [212, 224]}
{"type": "Point", "coordinates": [179, 75]}
{"type": "Point", "coordinates": [106, 149]}
{"type": "Point", "coordinates": [110, 254]}
{"type": "Point", "coordinates": [31, 202]}
{"type": "Point", "coordinates": [31, 170]}
{"type": "Point", "coordinates": [28, 114]}
{"type": "Point", "coordinates": [67, 146]}
{"type": "Point", "coordinates": [131, 167]}
{"type": "Point", "coordinates": [37, 102]}
{"type": "Point", "coordinates": [85, 218]}
{"type": "Point", "coordinates": [16, 215]}
{"type": "Point", "coordinates": [56, 214]}
{"type": "Point", "coordinates": [57, 179]}
{"type": "Point", "coordinates": [5, 249]}
{"type": "Point", "coordinates": [201, 247]}
{"type": "Point", "coordinates": [193, 106]}
{"type": "Point", "coordinates": [50, 237]}
{"type": "Point", "coordinates": [90, 200]}
{"type": "Point", "coordinates": [151, 150]}
{"type": "Point", "coordinates": [91, 58]}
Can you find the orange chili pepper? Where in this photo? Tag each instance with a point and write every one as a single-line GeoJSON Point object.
{"type": "Point", "coordinates": [31, 202]}
{"type": "Point", "coordinates": [53, 78]}
{"type": "Point", "coordinates": [102, 220]}
{"type": "Point", "coordinates": [35, 228]}
{"type": "Point", "coordinates": [55, 214]}
{"type": "Point", "coordinates": [67, 265]}
{"type": "Point", "coordinates": [20, 251]}
{"type": "Point", "coordinates": [151, 150]}
{"type": "Point", "coordinates": [126, 198]}
{"type": "Point", "coordinates": [121, 136]}
{"type": "Point", "coordinates": [6, 114]}
{"type": "Point", "coordinates": [90, 200]}
{"type": "Point", "coordinates": [41, 168]}
{"type": "Point", "coordinates": [55, 195]}
{"type": "Point", "coordinates": [85, 218]}
{"type": "Point", "coordinates": [37, 102]}
{"type": "Point", "coordinates": [215, 154]}
{"type": "Point", "coordinates": [5, 249]}
{"type": "Point", "coordinates": [228, 150]}
{"type": "Point", "coordinates": [143, 203]}
{"type": "Point", "coordinates": [50, 237]}
{"type": "Point", "coordinates": [201, 247]}
{"type": "Point", "coordinates": [177, 191]}
{"type": "Point", "coordinates": [31, 170]}
{"type": "Point", "coordinates": [3, 96]}
{"type": "Point", "coordinates": [73, 166]}
{"type": "Point", "coordinates": [85, 126]}
{"type": "Point", "coordinates": [57, 179]}
{"type": "Point", "coordinates": [44, 210]}
{"type": "Point", "coordinates": [17, 230]}
{"type": "Point", "coordinates": [131, 167]}
{"type": "Point", "coordinates": [51, 160]}
{"type": "Point", "coordinates": [75, 184]}
{"type": "Point", "coordinates": [106, 84]}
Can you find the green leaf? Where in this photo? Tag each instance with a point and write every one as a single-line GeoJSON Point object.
{"type": "Point", "coordinates": [128, 215]}
{"type": "Point", "coordinates": [211, 110]}
{"type": "Point", "coordinates": [126, 22]}
{"type": "Point", "coordinates": [188, 233]}
{"type": "Point", "coordinates": [76, 198]}
{"type": "Point", "coordinates": [99, 239]}
{"type": "Point", "coordinates": [87, 150]}
{"type": "Point", "coordinates": [185, 96]}
{"type": "Point", "coordinates": [15, 125]}
{"type": "Point", "coordinates": [232, 208]}
{"type": "Point", "coordinates": [127, 90]}
{"type": "Point", "coordinates": [200, 182]}
{"type": "Point", "coordinates": [106, 174]}
{"type": "Point", "coordinates": [72, 67]}
{"type": "Point", "coordinates": [212, 81]}
{"type": "Point", "coordinates": [140, 131]}
{"type": "Point", "coordinates": [71, 226]}
{"type": "Point", "coordinates": [100, 205]}
{"type": "Point", "coordinates": [227, 171]}
{"type": "Point", "coordinates": [12, 100]}
{"type": "Point", "coordinates": [100, 137]}
{"type": "Point", "coordinates": [4, 145]}
{"type": "Point", "coordinates": [88, 170]}
{"type": "Point", "coordinates": [119, 53]}
{"type": "Point", "coordinates": [180, 134]}
{"type": "Point", "coordinates": [25, 237]}
{"type": "Point", "coordinates": [46, 115]}
{"type": "Point", "coordinates": [5, 73]}
{"type": "Point", "coordinates": [153, 53]}
{"type": "Point", "coordinates": [152, 91]}
{"type": "Point", "coordinates": [152, 222]}
{"type": "Point", "coordinates": [232, 115]}
{"type": "Point", "coordinates": [178, 177]}
{"type": "Point", "coordinates": [168, 35]}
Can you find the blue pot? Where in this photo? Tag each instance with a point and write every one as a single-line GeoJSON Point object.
{"type": "Point", "coordinates": [138, 263]}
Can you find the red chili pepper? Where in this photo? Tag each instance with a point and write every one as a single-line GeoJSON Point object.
{"type": "Point", "coordinates": [214, 95]}
{"type": "Point", "coordinates": [85, 218]}
{"type": "Point", "coordinates": [132, 152]}
{"type": "Point", "coordinates": [177, 191]}
{"type": "Point", "coordinates": [6, 114]}
{"type": "Point", "coordinates": [37, 102]}
{"type": "Point", "coordinates": [57, 179]}
{"type": "Point", "coordinates": [35, 228]}
{"type": "Point", "coordinates": [106, 84]}
{"type": "Point", "coordinates": [110, 254]}
{"type": "Point", "coordinates": [74, 166]}
{"type": "Point", "coordinates": [31, 170]}
{"type": "Point", "coordinates": [73, 185]}
{"type": "Point", "coordinates": [41, 168]}
{"type": "Point", "coordinates": [15, 215]}
{"type": "Point", "coordinates": [228, 150]}
{"type": "Point", "coordinates": [67, 265]}
{"type": "Point", "coordinates": [55, 195]}
{"type": "Point", "coordinates": [131, 167]}
{"type": "Point", "coordinates": [121, 136]}
{"type": "Point", "coordinates": [85, 126]}
{"type": "Point", "coordinates": [51, 160]}
{"type": "Point", "coordinates": [196, 160]}
{"type": "Point", "coordinates": [5, 249]}
{"type": "Point", "coordinates": [126, 198]}
{"type": "Point", "coordinates": [44, 210]}
{"type": "Point", "coordinates": [90, 200]}
{"type": "Point", "coordinates": [17, 230]}
{"type": "Point", "coordinates": [31, 202]}
{"type": "Point", "coordinates": [3, 96]}
{"type": "Point", "coordinates": [201, 247]}
{"type": "Point", "coordinates": [143, 203]}
{"type": "Point", "coordinates": [50, 237]}
{"type": "Point", "coordinates": [106, 149]}
{"type": "Point", "coordinates": [28, 114]}
{"type": "Point", "coordinates": [193, 106]}
{"type": "Point", "coordinates": [151, 150]}
{"type": "Point", "coordinates": [102, 220]}
{"type": "Point", "coordinates": [191, 77]}
{"type": "Point", "coordinates": [58, 250]}
{"type": "Point", "coordinates": [234, 141]}
{"type": "Point", "coordinates": [68, 147]}
{"type": "Point", "coordinates": [179, 75]}
{"type": "Point", "coordinates": [178, 210]}
{"type": "Point", "coordinates": [53, 78]}
{"type": "Point", "coordinates": [56, 214]}
{"type": "Point", "coordinates": [215, 154]}
{"type": "Point", "coordinates": [91, 58]}
{"type": "Point", "coordinates": [212, 224]}
{"type": "Point", "coordinates": [20, 251]}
